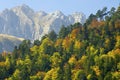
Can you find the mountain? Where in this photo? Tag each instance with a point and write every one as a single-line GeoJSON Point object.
{"type": "Point", "coordinates": [22, 21]}
{"type": "Point", "coordinates": [8, 42]}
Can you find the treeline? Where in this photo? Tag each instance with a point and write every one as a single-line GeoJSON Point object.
{"type": "Point", "coordinates": [79, 52]}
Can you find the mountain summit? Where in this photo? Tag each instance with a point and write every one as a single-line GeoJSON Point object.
{"type": "Point", "coordinates": [22, 21]}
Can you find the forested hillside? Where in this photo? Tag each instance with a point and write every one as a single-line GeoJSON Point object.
{"type": "Point", "coordinates": [79, 52]}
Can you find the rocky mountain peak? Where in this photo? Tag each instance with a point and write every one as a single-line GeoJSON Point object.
{"type": "Point", "coordinates": [22, 21]}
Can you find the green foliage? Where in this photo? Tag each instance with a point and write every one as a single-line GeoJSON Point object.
{"type": "Point", "coordinates": [67, 72]}
{"type": "Point", "coordinates": [46, 46]}
{"type": "Point", "coordinates": [37, 42]}
{"type": "Point", "coordinates": [79, 75]}
{"type": "Point", "coordinates": [52, 35]}
{"type": "Point", "coordinates": [63, 32]}
{"type": "Point", "coordinates": [56, 60]}
{"type": "Point", "coordinates": [42, 63]}
{"type": "Point", "coordinates": [24, 48]}
{"type": "Point", "coordinates": [16, 75]}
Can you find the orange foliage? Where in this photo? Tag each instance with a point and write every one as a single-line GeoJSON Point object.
{"type": "Point", "coordinates": [74, 33]}
{"type": "Point", "coordinates": [114, 52]}
{"type": "Point", "coordinates": [117, 51]}
{"type": "Point", "coordinates": [66, 43]}
{"type": "Point", "coordinates": [101, 23]}
{"type": "Point", "coordinates": [58, 42]}
{"type": "Point", "coordinates": [95, 23]}
{"type": "Point", "coordinates": [80, 63]}
{"type": "Point", "coordinates": [117, 24]}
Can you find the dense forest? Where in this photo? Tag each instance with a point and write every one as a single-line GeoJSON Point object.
{"type": "Point", "coordinates": [78, 52]}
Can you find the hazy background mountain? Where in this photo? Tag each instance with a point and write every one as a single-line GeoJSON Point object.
{"type": "Point", "coordinates": [22, 21]}
{"type": "Point", "coordinates": [8, 42]}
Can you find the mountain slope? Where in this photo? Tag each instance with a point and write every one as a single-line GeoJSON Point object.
{"type": "Point", "coordinates": [22, 21]}
{"type": "Point", "coordinates": [7, 42]}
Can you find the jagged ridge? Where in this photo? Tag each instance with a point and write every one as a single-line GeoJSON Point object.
{"type": "Point", "coordinates": [22, 21]}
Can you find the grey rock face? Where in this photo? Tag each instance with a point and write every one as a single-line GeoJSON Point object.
{"type": "Point", "coordinates": [22, 21]}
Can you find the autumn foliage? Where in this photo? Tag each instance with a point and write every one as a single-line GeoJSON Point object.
{"type": "Point", "coordinates": [78, 52]}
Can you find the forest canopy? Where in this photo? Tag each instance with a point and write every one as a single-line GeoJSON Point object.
{"type": "Point", "coordinates": [78, 52]}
